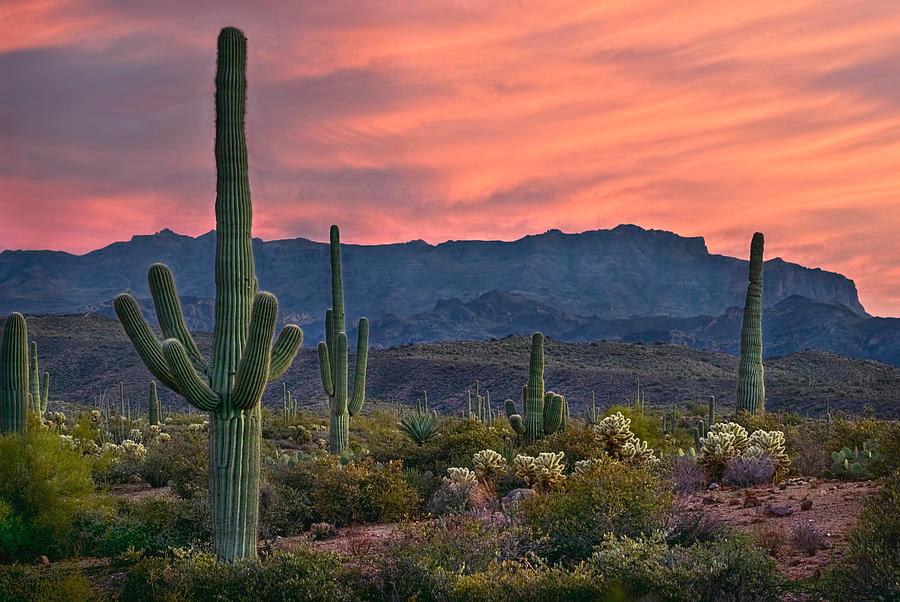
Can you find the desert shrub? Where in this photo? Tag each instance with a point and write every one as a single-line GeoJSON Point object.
{"type": "Point", "coordinates": [725, 569]}
{"type": "Point", "coordinates": [807, 537]}
{"type": "Point", "coordinates": [530, 581]}
{"type": "Point", "coordinates": [577, 442]}
{"type": "Point", "coordinates": [852, 432]}
{"type": "Point", "coordinates": [871, 566]}
{"type": "Point", "coordinates": [119, 463]}
{"type": "Point", "coordinates": [769, 537]}
{"type": "Point", "coordinates": [889, 450]}
{"type": "Point", "coordinates": [685, 474]}
{"type": "Point", "coordinates": [362, 491]}
{"type": "Point", "coordinates": [746, 471]}
{"type": "Point", "coordinates": [458, 441]}
{"type": "Point", "coordinates": [43, 481]}
{"type": "Point", "coordinates": [283, 510]}
{"type": "Point", "coordinates": [150, 525]}
{"type": "Point", "coordinates": [426, 560]}
{"type": "Point", "coordinates": [180, 462]}
{"type": "Point", "coordinates": [611, 498]}
{"type": "Point", "coordinates": [43, 584]}
{"type": "Point", "coordinates": [809, 457]}
{"type": "Point", "coordinates": [454, 497]}
{"type": "Point", "coordinates": [686, 528]}
{"type": "Point", "coordinates": [300, 575]}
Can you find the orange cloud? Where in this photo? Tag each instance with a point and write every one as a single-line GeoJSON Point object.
{"type": "Point", "coordinates": [422, 120]}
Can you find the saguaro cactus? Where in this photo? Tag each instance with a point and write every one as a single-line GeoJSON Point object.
{"type": "Point", "coordinates": [333, 358]}
{"type": "Point", "coordinates": [544, 413]}
{"type": "Point", "coordinates": [153, 404]}
{"type": "Point", "coordinates": [243, 360]}
{"type": "Point", "coordinates": [751, 389]}
{"type": "Point", "coordinates": [40, 392]}
{"type": "Point", "coordinates": [14, 396]}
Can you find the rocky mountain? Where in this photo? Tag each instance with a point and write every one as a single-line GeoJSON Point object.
{"type": "Point", "coordinates": [621, 279]}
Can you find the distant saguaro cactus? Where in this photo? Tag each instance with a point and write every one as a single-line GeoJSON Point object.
{"type": "Point", "coordinates": [333, 358]}
{"type": "Point", "coordinates": [544, 413]}
{"type": "Point", "coordinates": [244, 360]}
{"type": "Point", "coordinates": [40, 392]}
{"type": "Point", "coordinates": [14, 396]}
{"type": "Point", "coordinates": [153, 404]}
{"type": "Point", "coordinates": [751, 388]}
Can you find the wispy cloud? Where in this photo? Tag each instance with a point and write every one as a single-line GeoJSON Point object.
{"type": "Point", "coordinates": [426, 120]}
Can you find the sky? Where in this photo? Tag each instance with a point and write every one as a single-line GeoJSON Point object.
{"type": "Point", "coordinates": [468, 119]}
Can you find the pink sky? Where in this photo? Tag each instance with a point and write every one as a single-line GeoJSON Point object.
{"type": "Point", "coordinates": [440, 120]}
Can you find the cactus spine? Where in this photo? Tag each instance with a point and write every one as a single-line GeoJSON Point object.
{"type": "Point", "coordinates": [40, 392]}
{"type": "Point", "coordinates": [153, 404]}
{"type": "Point", "coordinates": [544, 413]}
{"type": "Point", "coordinates": [751, 388]}
{"type": "Point", "coordinates": [244, 359]}
{"type": "Point", "coordinates": [333, 358]}
{"type": "Point", "coordinates": [14, 396]}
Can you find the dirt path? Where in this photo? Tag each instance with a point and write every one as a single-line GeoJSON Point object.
{"type": "Point", "coordinates": [772, 514]}
{"type": "Point", "coordinates": [349, 540]}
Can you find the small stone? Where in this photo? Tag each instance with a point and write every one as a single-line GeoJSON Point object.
{"type": "Point", "coordinates": [43, 560]}
{"type": "Point", "coordinates": [713, 486]}
{"type": "Point", "coordinates": [751, 502]}
{"type": "Point", "coordinates": [806, 505]}
{"type": "Point", "coordinates": [709, 500]}
{"type": "Point", "coordinates": [782, 486]}
{"type": "Point", "coordinates": [779, 510]}
{"type": "Point", "coordinates": [734, 502]}
{"type": "Point", "coordinates": [826, 544]}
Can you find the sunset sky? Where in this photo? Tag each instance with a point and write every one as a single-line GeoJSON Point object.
{"type": "Point", "coordinates": [449, 120]}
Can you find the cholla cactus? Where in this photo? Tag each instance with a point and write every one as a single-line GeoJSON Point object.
{"type": "Point", "coordinates": [544, 471]}
{"type": "Point", "coordinates": [741, 440]}
{"type": "Point", "coordinates": [488, 463]}
{"type": "Point", "coordinates": [132, 449]}
{"type": "Point", "coordinates": [583, 467]}
{"type": "Point", "coordinates": [771, 443]}
{"type": "Point", "coordinates": [715, 450]}
{"type": "Point", "coordinates": [638, 452]}
{"type": "Point", "coordinates": [613, 432]}
{"type": "Point", "coordinates": [460, 475]}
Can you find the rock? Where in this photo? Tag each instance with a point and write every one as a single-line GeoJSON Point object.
{"type": "Point", "coordinates": [826, 544]}
{"type": "Point", "coordinates": [806, 505]}
{"type": "Point", "coordinates": [43, 560]}
{"type": "Point", "coordinates": [713, 487]}
{"type": "Point", "coordinates": [511, 500]}
{"type": "Point", "coordinates": [782, 486]}
{"type": "Point", "coordinates": [734, 502]}
{"type": "Point", "coordinates": [709, 500]}
{"type": "Point", "coordinates": [751, 502]}
{"type": "Point", "coordinates": [779, 510]}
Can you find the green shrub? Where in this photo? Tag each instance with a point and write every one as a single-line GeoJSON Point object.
{"type": "Point", "coordinates": [611, 498]}
{"type": "Point", "coordinates": [362, 491]}
{"type": "Point", "coordinates": [532, 581]}
{"type": "Point", "coordinates": [43, 481]}
{"type": "Point", "coordinates": [871, 567]}
{"type": "Point", "coordinates": [577, 442]}
{"type": "Point", "coordinates": [729, 568]}
{"type": "Point", "coordinates": [180, 462]}
{"type": "Point", "coordinates": [283, 510]}
{"type": "Point", "coordinates": [43, 584]}
{"type": "Point", "coordinates": [150, 525]}
{"type": "Point", "coordinates": [300, 575]}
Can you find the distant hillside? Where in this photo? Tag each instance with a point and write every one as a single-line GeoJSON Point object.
{"type": "Point", "coordinates": [627, 280]}
{"type": "Point", "coordinates": [86, 355]}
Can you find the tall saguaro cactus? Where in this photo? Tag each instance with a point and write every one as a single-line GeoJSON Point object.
{"type": "Point", "coordinates": [333, 358]}
{"type": "Point", "coordinates": [153, 404]}
{"type": "Point", "coordinates": [14, 396]}
{"type": "Point", "coordinates": [544, 413]}
{"type": "Point", "coordinates": [751, 389]}
{"type": "Point", "coordinates": [40, 392]}
{"type": "Point", "coordinates": [230, 385]}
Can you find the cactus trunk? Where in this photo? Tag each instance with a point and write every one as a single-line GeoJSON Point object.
{"type": "Point", "coordinates": [751, 389]}
{"type": "Point", "coordinates": [244, 360]}
{"type": "Point", "coordinates": [14, 395]}
{"type": "Point", "coordinates": [534, 391]}
{"type": "Point", "coordinates": [153, 404]}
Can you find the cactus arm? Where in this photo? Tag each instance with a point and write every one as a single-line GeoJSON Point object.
{"type": "Point", "coordinates": [45, 392]}
{"type": "Point", "coordinates": [330, 342]}
{"type": "Point", "coordinates": [359, 373]}
{"type": "Point", "coordinates": [510, 407]}
{"type": "Point", "coordinates": [193, 388]}
{"type": "Point", "coordinates": [325, 369]}
{"type": "Point", "coordinates": [144, 340]}
{"type": "Point", "coordinates": [169, 312]}
{"type": "Point", "coordinates": [34, 381]}
{"type": "Point", "coordinates": [517, 424]}
{"type": "Point", "coordinates": [285, 350]}
{"type": "Point", "coordinates": [340, 370]}
{"type": "Point", "coordinates": [253, 371]}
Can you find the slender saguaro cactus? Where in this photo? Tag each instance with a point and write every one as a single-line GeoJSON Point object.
{"type": "Point", "coordinates": [14, 396]}
{"type": "Point", "coordinates": [231, 384]}
{"type": "Point", "coordinates": [751, 389]}
{"type": "Point", "coordinates": [153, 404]}
{"type": "Point", "coordinates": [711, 410]}
{"type": "Point", "coordinates": [333, 358]}
{"type": "Point", "coordinates": [40, 393]}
